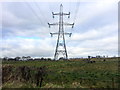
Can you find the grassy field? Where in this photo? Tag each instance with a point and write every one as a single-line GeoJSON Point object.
{"type": "Point", "coordinates": [71, 74]}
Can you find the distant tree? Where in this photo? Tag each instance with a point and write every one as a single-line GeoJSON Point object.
{"type": "Point", "coordinates": [49, 59]}
{"type": "Point", "coordinates": [98, 56]}
{"type": "Point", "coordinates": [5, 58]}
{"type": "Point", "coordinates": [37, 59]}
{"type": "Point", "coordinates": [17, 58]}
{"type": "Point", "coordinates": [104, 56]}
{"type": "Point", "coordinates": [31, 59]}
{"type": "Point", "coordinates": [42, 58]}
{"type": "Point", "coordinates": [28, 56]}
{"type": "Point", "coordinates": [89, 57]}
{"type": "Point", "coordinates": [11, 59]}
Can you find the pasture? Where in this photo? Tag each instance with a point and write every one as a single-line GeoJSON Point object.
{"type": "Point", "coordinates": [69, 74]}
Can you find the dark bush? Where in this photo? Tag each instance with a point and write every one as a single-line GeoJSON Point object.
{"type": "Point", "coordinates": [41, 72]}
{"type": "Point", "coordinates": [24, 74]}
{"type": "Point", "coordinates": [7, 73]}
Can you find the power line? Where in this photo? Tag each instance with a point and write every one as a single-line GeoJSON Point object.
{"type": "Point", "coordinates": [76, 11]}
{"type": "Point", "coordinates": [36, 4]}
{"type": "Point", "coordinates": [50, 8]}
{"type": "Point", "coordinates": [39, 19]}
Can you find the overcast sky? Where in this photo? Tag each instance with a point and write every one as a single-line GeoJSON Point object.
{"type": "Point", "coordinates": [25, 31]}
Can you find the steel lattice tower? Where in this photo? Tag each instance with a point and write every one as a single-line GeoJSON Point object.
{"type": "Point", "coordinates": [61, 46]}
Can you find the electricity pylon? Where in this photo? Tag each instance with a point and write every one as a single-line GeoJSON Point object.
{"type": "Point", "coordinates": [61, 46]}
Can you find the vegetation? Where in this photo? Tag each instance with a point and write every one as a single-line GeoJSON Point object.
{"type": "Point", "coordinates": [75, 73]}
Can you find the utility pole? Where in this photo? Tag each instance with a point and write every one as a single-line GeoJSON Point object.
{"type": "Point", "coordinates": [61, 46]}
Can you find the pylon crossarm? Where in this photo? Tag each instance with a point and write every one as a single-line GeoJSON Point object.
{"type": "Point", "coordinates": [53, 34]}
{"type": "Point", "coordinates": [53, 24]}
{"type": "Point", "coordinates": [68, 34]}
{"type": "Point", "coordinates": [55, 13]}
{"type": "Point", "coordinates": [58, 33]}
{"type": "Point", "coordinates": [69, 24]}
{"type": "Point", "coordinates": [66, 13]}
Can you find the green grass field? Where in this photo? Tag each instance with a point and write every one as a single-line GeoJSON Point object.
{"type": "Point", "coordinates": [71, 74]}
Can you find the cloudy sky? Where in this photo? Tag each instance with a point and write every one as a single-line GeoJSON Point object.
{"type": "Point", "coordinates": [25, 31]}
